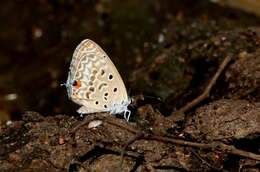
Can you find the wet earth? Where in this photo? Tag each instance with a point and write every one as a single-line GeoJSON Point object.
{"type": "Point", "coordinates": [167, 52]}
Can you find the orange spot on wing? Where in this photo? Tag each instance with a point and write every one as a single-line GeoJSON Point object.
{"type": "Point", "coordinates": [76, 84]}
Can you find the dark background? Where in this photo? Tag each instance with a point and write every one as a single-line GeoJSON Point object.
{"type": "Point", "coordinates": [38, 37]}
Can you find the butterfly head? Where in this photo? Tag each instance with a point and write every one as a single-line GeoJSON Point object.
{"type": "Point", "coordinates": [73, 89]}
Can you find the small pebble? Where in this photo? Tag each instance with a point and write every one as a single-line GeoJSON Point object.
{"type": "Point", "coordinates": [94, 124]}
{"type": "Point", "coordinates": [61, 141]}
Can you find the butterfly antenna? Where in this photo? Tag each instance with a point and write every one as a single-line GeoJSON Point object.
{"type": "Point", "coordinates": [64, 84]}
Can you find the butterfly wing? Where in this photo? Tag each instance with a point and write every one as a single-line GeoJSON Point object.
{"type": "Point", "coordinates": [100, 87]}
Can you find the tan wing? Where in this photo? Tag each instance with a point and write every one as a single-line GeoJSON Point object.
{"type": "Point", "coordinates": [101, 86]}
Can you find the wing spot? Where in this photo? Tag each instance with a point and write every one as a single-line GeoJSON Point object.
{"type": "Point", "coordinates": [102, 72]}
{"type": "Point", "coordinates": [92, 78]}
{"type": "Point", "coordinates": [105, 106]}
{"type": "Point", "coordinates": [94, 71]}
{"type": "Point", "coordinates": [92, 89]}
{"type": "Point", "coordinates": [106, 94]}
{"type": "Point", "coordinates": [90, 83]}
{"type": "Point", "coordinates": [87, 95]}
{"type": "Point", "coordinates": [110, 77]}
{"type": "Point", "coordinates": [115, 89]}
{"type": "Point", "coordinates": [102, 85]}
{"type": "Point", "coordinates": [76, 84]}
{"type": "Point", "coordinates": [96, 102]}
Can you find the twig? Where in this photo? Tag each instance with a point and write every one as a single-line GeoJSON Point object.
{"type": "Point", "coordinates": [106, 119]}
{"type": "Point", "coordinates": [126, 126]}
{"type": "Point", "coordinates": [87, 120]}
{"type": "Point", "coordinates": [213, 146]}
{"type": "Point", "coordinates": [80, 124]}
{"type": "Point", "coordinates": [206, 92]}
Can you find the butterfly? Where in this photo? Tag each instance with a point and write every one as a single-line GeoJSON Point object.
{"type": "Point", "coordinates": [94, 82]}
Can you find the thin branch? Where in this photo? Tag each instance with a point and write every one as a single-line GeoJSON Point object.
{"type": "Point", "coordinates": [213, 146]}
{"type": "Point", "coordinates": [206, 92]}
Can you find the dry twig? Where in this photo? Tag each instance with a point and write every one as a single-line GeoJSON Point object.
{"type": "Point", "coordinates": [206, 92]}
{"type": "Point", "coordinates": [214, 146]}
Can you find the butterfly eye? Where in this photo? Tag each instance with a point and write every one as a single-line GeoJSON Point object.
{"type": "Point", "coordinates": [76, 84]}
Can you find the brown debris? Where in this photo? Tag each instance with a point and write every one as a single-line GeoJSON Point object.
{"type": "Point", "coordinates": [225, 120]}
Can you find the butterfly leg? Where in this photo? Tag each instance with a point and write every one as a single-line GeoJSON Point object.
{"type": "Point", "coordinates": [127, 114]}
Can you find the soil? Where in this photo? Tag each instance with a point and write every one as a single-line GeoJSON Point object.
{"type": "Point", "coordinates": [167, 52]}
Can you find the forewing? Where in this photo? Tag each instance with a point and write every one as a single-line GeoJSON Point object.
{"type": "Point", "coordinates": [101, 85]}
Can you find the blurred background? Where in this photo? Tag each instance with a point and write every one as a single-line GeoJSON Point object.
{"type": "Point", "coordinates": [38, 37]}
